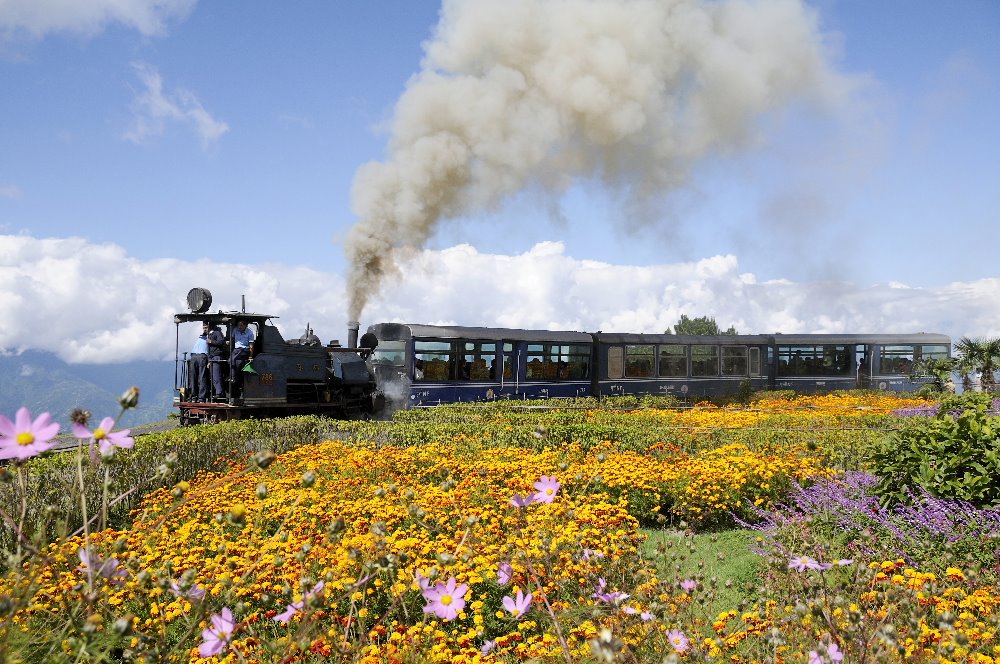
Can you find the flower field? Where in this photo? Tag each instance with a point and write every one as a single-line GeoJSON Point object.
{"type": "Point", "coordinates": [504, 534]}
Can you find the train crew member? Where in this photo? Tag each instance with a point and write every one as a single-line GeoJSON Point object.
{"type": "Point", "coordinates": [198, 367]}
{"type": "Point", "coordinates": [242, 351]}
{"type": "Point", "coordinates": [216, 357]}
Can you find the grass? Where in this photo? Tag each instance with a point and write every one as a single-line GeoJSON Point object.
{"type": "Point", "coordinates": [727, 571]}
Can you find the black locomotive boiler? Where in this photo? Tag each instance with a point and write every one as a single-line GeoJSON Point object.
{"type": "Point", "coordinates": [285, 376]}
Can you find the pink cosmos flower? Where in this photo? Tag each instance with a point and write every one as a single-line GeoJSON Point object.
{"type": "Point", "coordinates": [833, 652]}
{"type": "Point", "coordinates": [193, 593]}
{"type": "Point", "coordinates": [422, 581]}
{"type": "Point", "coordinates": [218, 636]}
{"type": "Point", "coordinates": [678, 640]}
{"type": "Point", "coordinates": [608, 597]}
{"type": "Point", "coordinates": [487, 647]}
{"type": "Point", "coordinates": [94, 564]}
{"type": "Point", "coordinates": [645, 615]}
{"type": "Point", "coordinates": [545, 489]}
{"type": "Point", "coordinates": [802, 563]}
{"type": "Point", "coordinates": [445, 600]}
{"type": "Point", "coordinates": [592, 553]}
{"type": "Point", "coordinates": [295, 607]}
{"type": "Point", "coordinates": [105, 438]}
{"type": "Point", "coordinates": [688, 585]}
{"type": "Point", "coordinates": [522, 501]}
{"type": "Point", "coordinates": [22, 438]}
{"type": "Point", "coordinates": [518, 606]}
{"type": "Point", "coordinates": [504, 573]}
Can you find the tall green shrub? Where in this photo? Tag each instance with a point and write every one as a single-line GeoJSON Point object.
{"type": "Point", "coordinates": [951, 455]}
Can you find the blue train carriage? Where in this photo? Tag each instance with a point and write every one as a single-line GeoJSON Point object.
{"type": "Point", "coordinates": [688, 367]}
{"type": "Point", "coordinates": [812, 363]}
{"type": "Point", "coordinates": [426, 365]}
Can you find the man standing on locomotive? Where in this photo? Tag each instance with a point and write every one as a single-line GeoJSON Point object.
{"type": "Point", "coordinates": [216, 356]}
{"type": "Point", "coordinates": [242, 352]}
{"type": "Point", "coordinates": [198, 367]}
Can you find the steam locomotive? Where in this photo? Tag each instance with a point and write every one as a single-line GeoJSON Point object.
{"type": "Point", "coordinates": [425, 365]}
{"type": "Point", "coordinates": [284, 377]}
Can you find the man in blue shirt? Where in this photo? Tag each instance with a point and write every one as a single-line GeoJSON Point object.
{"type": "Point", "coordinates": [242, 351]}
{"type": "Point", "coordinates": [198, 367]}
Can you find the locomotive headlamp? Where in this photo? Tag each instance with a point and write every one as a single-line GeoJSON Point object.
{"type": "Point", "coordinates": [199, 300]}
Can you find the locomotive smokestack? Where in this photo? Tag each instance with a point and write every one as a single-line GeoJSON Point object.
{"type": "Point", "coordinates": [352, 333]}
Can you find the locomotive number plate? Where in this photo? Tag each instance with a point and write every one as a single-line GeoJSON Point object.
{"type": "Point", "coordinates": [266, 378]}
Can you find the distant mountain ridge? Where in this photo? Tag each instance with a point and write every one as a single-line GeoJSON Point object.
{"type": "Point", "coordinates": [43, 382]}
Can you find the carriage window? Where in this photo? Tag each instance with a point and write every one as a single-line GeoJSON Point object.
{"type": "Point", "coordinates": [673, 361]}
{"type": "Point", "coordinates": [734, 360]}
{"type": "Point", "coordinates": [896, 360]}
{"type": "Point", "coordinates": [432, 359]}
{"type": "Point", "coordinates": [508, 361]}
{"type": "Point", "coordinates": [616, 362]}
{"type": "Point", "coordinates": [828, 360]}
{"type": "Point", "coordinates": [928, 352]}
{"type": "Point", "coordinates": [477, 361]}
{"type": "Point", "coordinates": [704, 360]}
{"type": "Point", "coordinates": [390, 353]}
{"type": "Point", "coordinates": [638, 361]}
{"type": "Point", "coordinates": [755, 361]}
{"type": "Point", "coordinates": [558, 361]}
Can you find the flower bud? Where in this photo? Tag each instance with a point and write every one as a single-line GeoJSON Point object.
{"type": "Point", "coordinates": [309, 478]}
{"type": "Point", "coordinates": [264, 458]}
{"type": "Point", "coordinates": [237, 513]}
{"type": "Point", "coordinates": [129, 398]}
{"type": "Point", "coordinates": [80, 416]}
{"type": "Point", "coordinates": [123, 625]}
{"type": "Point", "coordinates": [262, 491]}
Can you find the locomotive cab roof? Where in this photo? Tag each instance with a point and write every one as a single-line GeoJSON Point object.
{"type": "Point", "coordinates": [223, 317]}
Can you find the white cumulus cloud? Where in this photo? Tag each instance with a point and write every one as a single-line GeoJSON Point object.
{"type": "Point", "coordinates": [154, 107]}
{"type": "Point", "coordinates": [94, 303]}
{"type": "Point", "coordinates": [39, 17]}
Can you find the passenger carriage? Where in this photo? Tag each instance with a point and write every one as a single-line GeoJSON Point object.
{"type": "Point", "coordinates": [811, 363]}
{"type": "Point", "coordinates": [423, 365]}
{"type": "Point", "coordinates": [688, 367]}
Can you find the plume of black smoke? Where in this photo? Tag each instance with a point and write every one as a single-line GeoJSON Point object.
{"type": "Point", "coordinates": [633, 93]}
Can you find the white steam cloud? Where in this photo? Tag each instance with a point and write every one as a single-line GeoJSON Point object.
{"type": "Point", "coordinates": [541, 93]}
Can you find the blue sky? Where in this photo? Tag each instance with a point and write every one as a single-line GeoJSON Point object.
{"type": "Point", "coordinates": [148, 147]}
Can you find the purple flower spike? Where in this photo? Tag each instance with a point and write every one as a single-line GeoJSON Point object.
{"type": "Point", "coordinates": [22, 438]}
